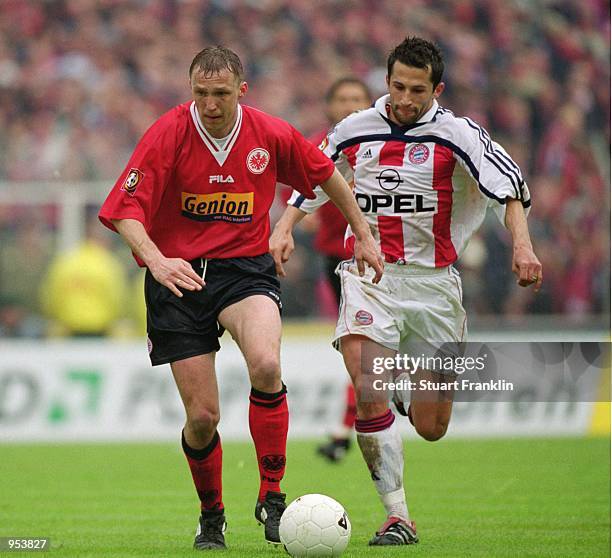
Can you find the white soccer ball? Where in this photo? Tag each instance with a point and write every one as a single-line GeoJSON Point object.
{"type": "Point", "coordinates": [315, 525]}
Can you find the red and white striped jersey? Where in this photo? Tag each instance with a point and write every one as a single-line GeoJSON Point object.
{"type": "Point", "coordinates": [423, 188]}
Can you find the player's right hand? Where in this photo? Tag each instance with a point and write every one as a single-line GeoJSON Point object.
{"type": "Point", "coordinates": [176, 273]}
{"type": "Point", "coordinates": [281, 248]}
{"type": "Point", "coordinates": [366, 252]}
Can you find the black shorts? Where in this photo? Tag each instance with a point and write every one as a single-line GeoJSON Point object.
{"type": "Point", "coordinates": [180, 328]}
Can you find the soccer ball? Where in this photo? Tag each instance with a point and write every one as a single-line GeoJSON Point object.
{"type": "Point", "coordinates": [315, 525]}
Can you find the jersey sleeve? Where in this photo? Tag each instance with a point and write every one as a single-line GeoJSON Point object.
{"type": "Point", "coordinates": [301, 165]}
{"type": "Point", "coordinates": [332, 147]}
{"type": "Point", "coordinates": [139, 189]}
{"type": "Point", "coordinates": [329, 146]}
{"type": "Point", "coordinates": [498, 177]}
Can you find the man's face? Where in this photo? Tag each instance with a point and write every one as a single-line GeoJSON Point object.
{"type": "Point", "coordinates": [216, 97]}
{"type": "Point", "coordinates": [412, 93]}
{"type": "Point", "coordinates": [348, 98]}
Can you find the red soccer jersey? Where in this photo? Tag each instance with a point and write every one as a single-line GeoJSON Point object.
{"type": "Point", "coordinates": [197, 200]}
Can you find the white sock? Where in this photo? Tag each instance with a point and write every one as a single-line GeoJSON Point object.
{"type": "Point", "coordinates": [384, 455]}
{"type": "Point", "coordinates": [395, 504]}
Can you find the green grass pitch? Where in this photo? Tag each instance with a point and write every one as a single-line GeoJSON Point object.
{"type": "Point", "coordinates": [476, 498]}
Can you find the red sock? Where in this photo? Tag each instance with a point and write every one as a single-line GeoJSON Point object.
{"type": "Point", "coordinates": [269, 422]}
{"type": "Point", "coordinates": [206, 465]}
{"type": "Point", "coordinates": [350, 411]}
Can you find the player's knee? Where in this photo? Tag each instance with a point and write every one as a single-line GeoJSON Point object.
{"type": "Point", "coordinates": [203, 423]}
{"type": "Point", "coordinates": [431, 431]}
{"type": "Point", "coordinates": [266, 373]}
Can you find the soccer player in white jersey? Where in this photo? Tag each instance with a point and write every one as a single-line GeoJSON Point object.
{"type": "Point", "coordinates": [423, 179]}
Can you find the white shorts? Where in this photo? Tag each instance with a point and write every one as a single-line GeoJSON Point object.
{"type": "Point", "coordinates": [411, 305]}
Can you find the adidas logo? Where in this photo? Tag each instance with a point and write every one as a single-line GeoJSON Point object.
{"type": "Point", "coordinates": [367, 154]}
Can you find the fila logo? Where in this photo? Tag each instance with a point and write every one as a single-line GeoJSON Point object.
{"type": "Point", "coordinates": [367, 154]}
{"type": "Point", "coordinates": [220, 179]}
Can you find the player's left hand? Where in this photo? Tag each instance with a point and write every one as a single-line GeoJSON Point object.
{"type": "Point", "coordinates": [527, 267]}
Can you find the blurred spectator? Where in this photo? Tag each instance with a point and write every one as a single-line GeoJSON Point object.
{"type": "Point", "coordinates": [16, 321]}
{"type": "Point", "coordinates": [85, 289]}
{"type": "Point", "coordinates": [304, 271]}
{"type": "Point", "coordinates": [80, 81]}
{"type": "Point", "coordinates": [25, 251]}
{"type": "Point", "coordinates": [345, 96]}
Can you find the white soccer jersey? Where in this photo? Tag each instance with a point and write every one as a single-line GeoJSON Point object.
{"type": "Point", "coordinates": [423, 188]}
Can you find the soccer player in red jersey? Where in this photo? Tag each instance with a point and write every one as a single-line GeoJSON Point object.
{"type": "Point", "coordinates": [193, 205]}
{"type": "Point", "coordinates": [424, 179]}
{"type": "Point", "coordinates": [345, 96]}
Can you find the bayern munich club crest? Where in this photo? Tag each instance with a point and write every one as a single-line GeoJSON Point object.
{"type": "Point", "coordinates": [362, 317]}
{"type": "Point", "coordinates": [257, 160]}
{"type": "Point", "coordinates": [418, 154]}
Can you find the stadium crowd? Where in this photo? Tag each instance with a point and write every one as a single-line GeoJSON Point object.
{"type": "Point", "coordinates": [81, 80]}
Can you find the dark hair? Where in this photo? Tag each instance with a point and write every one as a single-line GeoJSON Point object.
{"type": "Point", "coordinates": [333, 88]}
{"type": "Point", "coordinates": [418, 53]}
{"type": "Point", "coordinates": [213, 60]}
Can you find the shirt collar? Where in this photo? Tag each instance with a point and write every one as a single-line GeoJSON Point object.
{"type": "Point", "coordinates": [220, 154]}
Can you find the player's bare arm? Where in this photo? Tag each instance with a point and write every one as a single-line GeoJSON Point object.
{"type": "Point", "coordinates": [366, 250]}
{"type": "Point", "coordinates": [170, 272]}
{"type": "Point", "coordinates": [525, 263]}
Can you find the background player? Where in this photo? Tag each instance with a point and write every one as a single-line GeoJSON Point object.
{"type": "Point", "coordinates": [345, 96]}
{"type": "Point", "coordinates": [193, 206]}
{"type": "Point", "coordinates": [409, 159]}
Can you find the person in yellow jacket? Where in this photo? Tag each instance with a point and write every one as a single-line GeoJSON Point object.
{"type": "Point", "coordinates": [137, 307]}
{"type": "Point", "coordinates": [85, 289]}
